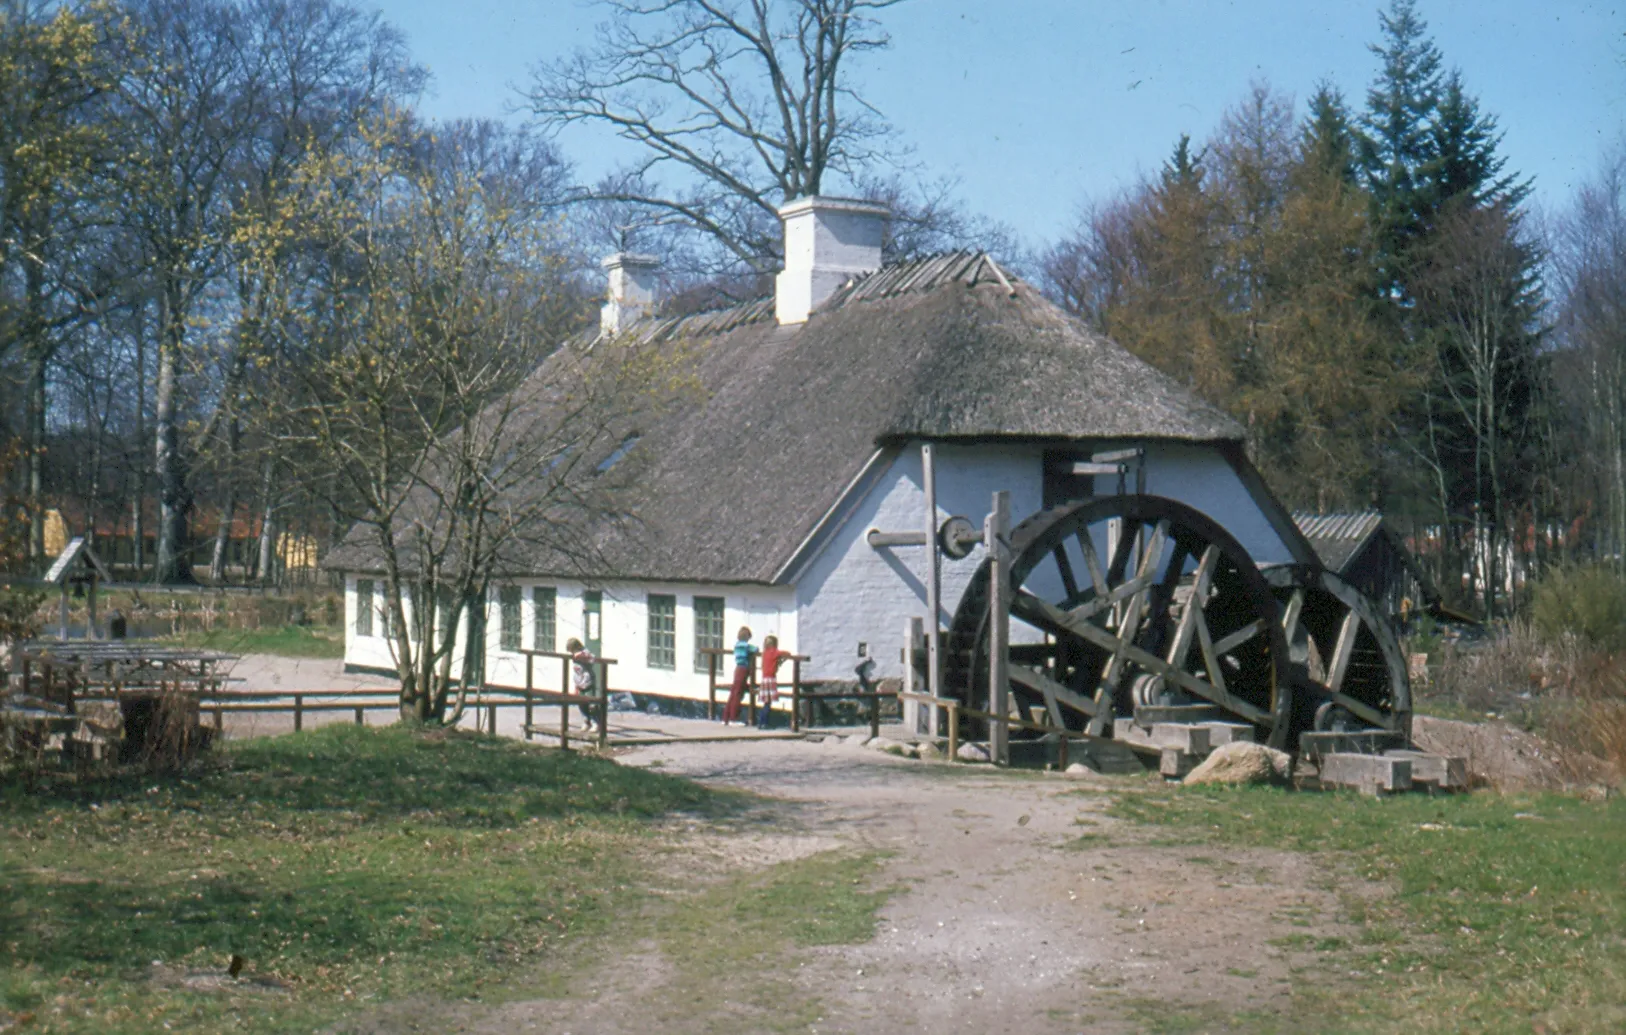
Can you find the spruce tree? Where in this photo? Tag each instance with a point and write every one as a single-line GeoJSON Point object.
{"type": "Point", "coordinates": [1396, 139]}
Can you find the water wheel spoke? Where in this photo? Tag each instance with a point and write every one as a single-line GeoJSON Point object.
{"type": "Point", "coordinates": [1064, 564]}
{"type": "Point", "coordinates": [1211, 662]}
{"type": "Point", "coordinates": [1054, 693]}
{"type": "Point", "coordinates": [1360, 709]}
{"type": "Point", "coordinates": [1291, 614]}
{"type": "Point", "coordinates": [1092, 561]}
{"type": "Point", "coordinates": [1199, 591]}
{"type": "Point", "coordinates": [1231, 641]}
{"type": "Point", "coordinates": [1185, 680]}
{"type": "Point", "coordinates": [1094, 607]}
{"type": "Point", "coordinates": [1339, 666]}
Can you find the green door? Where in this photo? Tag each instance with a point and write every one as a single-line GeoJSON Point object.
{"type": "Point", "coordinates": [592, 628]}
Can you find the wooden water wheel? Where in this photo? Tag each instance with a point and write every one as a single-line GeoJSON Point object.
{"type": "Point", "coordinates": [1123, 603]}
{"type": "Point", "coordinates": [1348, 669]}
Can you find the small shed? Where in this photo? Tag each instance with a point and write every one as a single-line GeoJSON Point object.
{"type": "Point", "coordinates": [1366, 551]}
{"type": "Point", "coordinates": [78, 565]}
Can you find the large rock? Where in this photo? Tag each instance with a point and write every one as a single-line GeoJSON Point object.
{"type": "Point", "coordinates": [1242, 762]}
{"type": "Point", "coordinates": [929, 752]}
{"type": "Point", "coordinates": [972, 753]}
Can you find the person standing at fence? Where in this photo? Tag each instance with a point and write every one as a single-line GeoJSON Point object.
{"type": "Point", "coordinates": [772, 658]}
{"type": "Point", "coordinates": [744, 654]}
{"type": "Point", "coordinates": [581, 677]}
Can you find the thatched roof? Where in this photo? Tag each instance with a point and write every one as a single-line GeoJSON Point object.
{"type": "Point", "coordinates": [948, 348]}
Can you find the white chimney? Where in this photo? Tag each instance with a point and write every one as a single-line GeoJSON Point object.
{"type": "Point", "coordinates": [827, 242]}
{"type": "Point", "coordinates": [632, 291]}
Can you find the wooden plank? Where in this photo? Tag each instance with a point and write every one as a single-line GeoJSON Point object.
{"type": "Point", "coordinates": [1092, 561]}
{"type": "Point", "coordinates": [1314, 745]}
{"type": "Point", "coordinates": [1069, 584]}
{"type": "Point", "coordinates": [1221, 733]}
{"type": "Point", "coordinates": [1147, 715]}
{"type": "Point", "coordinates": [1184, 737]}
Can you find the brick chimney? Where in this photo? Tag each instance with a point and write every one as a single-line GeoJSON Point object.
{"type": "Point", "coordinates": [827, 242]}
{"type": "Point", "coordinates": [632, 291]}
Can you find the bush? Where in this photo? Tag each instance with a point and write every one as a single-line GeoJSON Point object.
{"type": "Point", "coordinates": [1586, 603]}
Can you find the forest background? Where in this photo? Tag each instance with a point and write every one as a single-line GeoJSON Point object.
{"type": "Point", "coordinates": [1360, 278]}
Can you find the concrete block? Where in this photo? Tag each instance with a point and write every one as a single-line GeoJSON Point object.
{"type": "Point", "coordinates": [1193, 740]}
{"type": "Point", "coordinates": [1174, 764]}
{"type": "Point", "coordinates": [1220, 733]}
{"type": "Point", "coordinates": [1371, 774]}
{"type": "Point", "coordinates": [1447, 772]}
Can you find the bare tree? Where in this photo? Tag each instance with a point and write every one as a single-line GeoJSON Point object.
{"type": "Point", "coordinates": [1589, 247]}
{"type": "Point", "coordinates": [748, 102]}
{"type": "Point", "coordinates": [430, 293]}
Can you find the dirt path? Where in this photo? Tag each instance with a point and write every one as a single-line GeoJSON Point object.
{"type": "Point", "coordinates": [1018, 906]}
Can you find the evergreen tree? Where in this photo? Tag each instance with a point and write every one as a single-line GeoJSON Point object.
{"type": "Point", "coordinates": [1463, 165]}
{"type": "Point", "coordinates": [1396, 140]}
{"type": "Point", "coordinates": [1327, 144]}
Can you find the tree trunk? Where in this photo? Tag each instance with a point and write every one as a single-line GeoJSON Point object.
{"type": "Point", "coordinates": [139, 498]}
{"type": "Point", "coordinates": [268, 516]}
{"type": "Point", "coordinates": [38, 354]}
{"type": "Point", "coordinates": [173, 504]}
{"type": "Point", "coordinates": [228, 507]}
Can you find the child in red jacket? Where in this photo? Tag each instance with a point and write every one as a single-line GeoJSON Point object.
{"type": "Point", "coordinates": [772, 658]}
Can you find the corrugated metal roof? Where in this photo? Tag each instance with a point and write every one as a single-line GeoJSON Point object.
{"type": "Point", "coordinates": [1338, 537]}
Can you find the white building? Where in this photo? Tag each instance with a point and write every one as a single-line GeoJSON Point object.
{"type": "Point", "coordinates": [756, 503]}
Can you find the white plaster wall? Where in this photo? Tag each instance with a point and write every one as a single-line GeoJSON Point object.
{"type": "Point", "coordinates": [854, 593]}
{"type": "Point", "coordinates": [1200, 477]}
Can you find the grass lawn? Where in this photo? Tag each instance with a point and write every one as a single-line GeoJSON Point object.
{"type": "Point", "coordinates": [289, 641]}
{"type": "Point", "coordinates": [1508, 914]}
{"type": "Point", "coordinates": [346, 865]}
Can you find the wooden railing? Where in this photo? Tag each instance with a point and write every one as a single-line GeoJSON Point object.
{"type": "Point", "coordinates": [714, 653]}
{"type": "Point", "coordinates": [565, 699]}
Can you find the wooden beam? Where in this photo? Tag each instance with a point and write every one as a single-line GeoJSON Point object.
{"type": "Point", "coordinates": [1053, 691]}
{"type": "Point", "coordinates": [996, 534]}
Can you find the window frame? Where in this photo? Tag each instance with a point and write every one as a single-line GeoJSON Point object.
{"type": "Point", "coordinates": [701, 661]}
{"type": "Point", "coordinates": [510, 618]}
{"type": "Point", "coordinates": [661, 645]}
{"type": "Point", "coordinates": [551, 595]}
{"type": "Point", "coordinates": [364, 608]}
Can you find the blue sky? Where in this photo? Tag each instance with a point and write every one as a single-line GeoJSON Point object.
{"type": "Point", "coordinates": [1037, 106]}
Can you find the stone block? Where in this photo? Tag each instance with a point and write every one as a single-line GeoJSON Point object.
{"type": "Point", "coordinates": [1447, 772]}
{"type": "Point", "coordinates": [1370, 774]}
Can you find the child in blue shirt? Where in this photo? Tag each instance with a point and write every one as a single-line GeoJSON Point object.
{"type": "Point", "coordinates": [744, 660]}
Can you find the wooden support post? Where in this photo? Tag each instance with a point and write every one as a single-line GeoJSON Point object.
{"type": "Point", "coordinates": [530, 715]}
{"type": "Point", "coordinates": [711, 699]}
{"type": "Point", "coordinates": [299, 712]}
{"type": "Point", "coordinates": [359, 720]}
{"type": "Point", "coordinates": [953, 731]}
{"type": "Point", "coordinates": [796, 694]}
{"type": "Point", "coordinates": [874, 715]}
{"type": "Point", "coordinates": [914, 662]}
{"type": "Point", "coordinates": [564, 705]}
{"type": "Point", "coordinates": [934, 570]}
{"type": "Point", "coordinates": [996, 536]}
{"type": "Point", "coordinates": [220, 719]}
{"type": "Point", "coordinates": [491, 719]}
{"type": "Point", "coordinates": [603, 688]}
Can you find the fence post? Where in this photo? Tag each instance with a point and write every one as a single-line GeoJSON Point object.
{"type": "Point", "coordinates": [874, 714]}
{"type": "Point", "coordinates": [220, 719]}
{"type": "Point", "coordinates": [299, 712]}
{"type": "Point", "coordinates": [359, 721]}
{"type": "Point", "coordinates": [530, 661]}
{"type": "Point", "coordinates": [953, 731]}
{"type": "Point", "coordinates": [603, 702]}
{"type": "Point", "coordinates": [564, 704]}
{"type": "Point", "coordinates": [711, 676]}
{"type": "Point", "coordinates": [491, 719]}
{"type": "Point", "coordinates": [795, 694]}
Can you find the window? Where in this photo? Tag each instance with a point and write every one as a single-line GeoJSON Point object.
{"type": "Point", "coordinates": [364, 607]}
{"type": "Point", "coordinates": [662, 631]}
{"type": "Point", "coordinates": [545, 617]}
{"type": "Point", "coordinates": [509, 630]}
{"type": "Point", "coordinates": [708, 629]}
